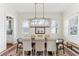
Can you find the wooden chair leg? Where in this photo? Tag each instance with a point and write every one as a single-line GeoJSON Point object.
{"type": "Point", "coordinates": [43, 53]}
{"type": "Point", "coordinates": [63, 51]}
{"type": "Point", "coordinates": [35, 53]}
{"type": "Point", "coordinates": [54, 53]}
{"type": "Point", "coordinates": [47, 53]}
{"type": "Point", "coordinates": [23, 53]}
{"type": "Point", "coordinates": [31, 53]}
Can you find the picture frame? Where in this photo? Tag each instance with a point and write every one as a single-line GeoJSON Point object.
{"type": "Point", "coordinates": [39, 30]}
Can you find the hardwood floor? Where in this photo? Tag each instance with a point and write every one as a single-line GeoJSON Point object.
{"type": "Point", "coordinates": [60, 53]}
{"type": "Point", "coordinates": [11, 51]}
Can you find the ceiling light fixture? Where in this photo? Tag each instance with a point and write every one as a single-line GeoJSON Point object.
{"type": "Point", "coordinates": [36, 9]}
{"type": "Point", "coordinates": [43, 10]}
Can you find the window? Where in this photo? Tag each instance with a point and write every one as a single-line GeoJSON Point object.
{"type": "Point", "coordinates": [54, 26]}
{"type": "Point", "coordinates": [9, 25]}
{"type": "Point", "coordinates": [73, 25]}
{"type": "Point", "coordinates": [25, 26]}
{"type": "Point", "coordinates": [40, 22]}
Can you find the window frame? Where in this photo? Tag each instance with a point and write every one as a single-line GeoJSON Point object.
{"type": "Point", "coordinates": [54, 27]}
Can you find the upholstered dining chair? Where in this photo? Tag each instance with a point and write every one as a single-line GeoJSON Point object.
{"type": "Point", "coordinates": [27, 46]}
{"type": "Point", "coordinates": [39, 46]}
{"type": "Point", "coordinates": [60, 45]}
{"type": "Point", "coordinates": [51, 46]}
{"type": "Point", "coordinates": [19, 45]}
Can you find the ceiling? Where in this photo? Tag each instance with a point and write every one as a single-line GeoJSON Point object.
{"type": "Point", "coordinates": [48, 7]}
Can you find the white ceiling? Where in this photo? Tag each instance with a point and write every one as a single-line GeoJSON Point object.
{"type": "Point", "coordinates": [48, 7]}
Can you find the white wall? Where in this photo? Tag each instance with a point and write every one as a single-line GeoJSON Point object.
{"type": "Point", "coordinates": [27, 15]}
{"type": "Point", "coordinates": [2, 28]}
{"type": "Point", "coordinates": [5, 11]}
{"type": "Point", "coordinates": [11, 12]}
{"type": "Point", "coordinates": [72, 11]}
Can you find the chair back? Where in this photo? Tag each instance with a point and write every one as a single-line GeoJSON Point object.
{"type": "Point", "coordinates": [40, 45]}
{"type": "Point", "coordinates": [27, 45]}
{"type": "Point", "coordinates": [51, 45]}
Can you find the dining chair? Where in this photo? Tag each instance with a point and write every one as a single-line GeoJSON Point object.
{"type": "Point", "coordinates": [27, 46]}
{"type": "Point", "coordinates": [60, 45]}
{"type": "Point", "coordinates": [51, 46]}
{"type": "Point", "coordinates": [19, 46]}
{"type": "Point", "coordinates": [40, 46]}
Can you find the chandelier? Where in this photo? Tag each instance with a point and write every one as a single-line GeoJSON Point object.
{"type": "Point", "coordinates": [36, 9]}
